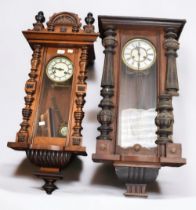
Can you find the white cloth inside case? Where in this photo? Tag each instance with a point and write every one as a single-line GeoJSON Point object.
{"type": "Point", "coordinates": [137, 126]}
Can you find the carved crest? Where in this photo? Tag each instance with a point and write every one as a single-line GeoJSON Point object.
{"type": "Point", "coordinates": [64, 20]}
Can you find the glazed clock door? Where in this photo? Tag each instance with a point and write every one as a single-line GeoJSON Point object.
{"type": "Point", "coordinates": [137, 91]}
{"type": "Point", "coordinates": [55, 98]}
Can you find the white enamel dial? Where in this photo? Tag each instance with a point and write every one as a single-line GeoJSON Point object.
{"type": "Point", "coordinates": [59, 69]}
{"type": "Point", "coordinates": [139, 54]}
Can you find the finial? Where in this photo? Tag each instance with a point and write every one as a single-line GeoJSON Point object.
{"type": "Point", "coordinates": [38, 26]}
{"type": "Point", "coordinates": [89, 20]}
{"type": "Point", "coordinates": [40, 17]}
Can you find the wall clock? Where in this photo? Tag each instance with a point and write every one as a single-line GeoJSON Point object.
{"type": "Point", "coordinates": [138, 83]}
{"type": "Point", "coordinates": [51, 128]}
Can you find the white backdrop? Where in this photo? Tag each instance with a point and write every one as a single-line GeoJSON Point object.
{"type": "Point", "coordinates": [87, 184]}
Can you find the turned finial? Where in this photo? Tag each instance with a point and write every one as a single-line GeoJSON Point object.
{"type": "Point", "coordinates": [40, 17]}
{"type": "Point", "coordinates": [89, 20]}
{"type": "Point", "coordinates": [38, 26]}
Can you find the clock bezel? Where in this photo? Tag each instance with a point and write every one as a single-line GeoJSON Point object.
{"type": "Point", "coordinates": [131, 68]}
{"type": "Point", "coordinates": [47, 65]}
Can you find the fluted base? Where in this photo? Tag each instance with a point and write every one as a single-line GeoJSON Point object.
{"type": "Point", "coordinates": [48, 158]}
{"type": "Point", "coordinates": [136, 179]}
{"type": "Point", "coordinates": [138, 190]}
{"type": "Point", "coordinates": [50, 163]}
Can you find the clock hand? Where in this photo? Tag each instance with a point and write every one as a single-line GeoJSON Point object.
{"type": "Point", "coordinates": [139, 55]}
{"type": "Point", "coordinates": [60, 69]}
{"type": "Point", "coordinates": [66, 72]}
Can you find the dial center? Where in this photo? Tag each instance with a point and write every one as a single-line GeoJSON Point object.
{"type": "Point", "coordinates": [139, 54]}
{"type": "Point", "coordinates": [60, 69]}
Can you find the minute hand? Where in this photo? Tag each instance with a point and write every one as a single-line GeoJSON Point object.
{"type": "Point", "coordinates": [139, 54]}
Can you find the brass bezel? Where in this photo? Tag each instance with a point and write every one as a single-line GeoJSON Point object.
{"type": "Point", "coordinates": [131, 68]}
{"type": "Point", "coordinates": [57, 57]}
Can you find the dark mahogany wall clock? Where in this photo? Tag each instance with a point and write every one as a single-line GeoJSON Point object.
{"type": "Point", "coordinates": [138, 83]}
{"type": "Point", "coordinates": [51, 128]}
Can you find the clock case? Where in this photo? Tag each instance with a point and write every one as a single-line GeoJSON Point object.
{"type": "Point", "coordinates": [137, 165]}
{"type": "Point", "coordinates": [51, 152]}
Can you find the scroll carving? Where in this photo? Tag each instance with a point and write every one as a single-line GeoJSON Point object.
{"type": "Point", "coordinates": [63, 20]}
{"type": "Point", "coordinates": [171, 45]}
{"type": "Point", "coordinates": [30, 88]}
{"type": "Point", "coordinates": [80, 94]}
{"type": "Point", "coordinates": [105, 116]}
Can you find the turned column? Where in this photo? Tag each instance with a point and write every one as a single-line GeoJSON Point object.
{"type": "Point", "coordinates": [30, 88]}
{"type": "Point", "coordinates": [164, 122]}
{"type": "Point", "coordinates": [171, 45]}
{"type": "Point", "coordinates": [105, 116]}
{"type": "Point", "coordinates": [80, 95]}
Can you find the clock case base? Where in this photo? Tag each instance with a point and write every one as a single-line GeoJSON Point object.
{"type": "Point", "coordinates": [51, 162]}
{"type": "Point", "coordinates": [136, 178]}
{"type": "Point", "coordinates": [138, 171]}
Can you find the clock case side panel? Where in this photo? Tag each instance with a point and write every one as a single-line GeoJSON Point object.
{"type": "Point", "coordinates": [32, 89]}
{"type": "Point", "coordinates": [105, 144]}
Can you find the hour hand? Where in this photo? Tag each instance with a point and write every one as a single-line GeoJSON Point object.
{"type": "Point", "coordinates": [55, 68]}
{"type": "Point", "coordinates": [67, 72]}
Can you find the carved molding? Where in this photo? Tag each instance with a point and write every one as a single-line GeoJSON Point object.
{"type": "Point", "coordinates": [64, 19]}
{"type": "Point", "coordinates": [105, 116]}
{"type": "Point", "coordinates": [30, 88]}
{"type": "Point", "coordinates": [80, 95]}
{"type": "Point", "coordinates": [48, 158]}
{"type": "Point", "coordinates": [136, 179]}
{"type": "Point", "coordinates": [171, 45]}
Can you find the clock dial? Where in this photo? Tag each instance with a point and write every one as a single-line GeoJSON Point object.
{"type": "Point", "coordinates": [139, 54]}
{"type": "Point", "coordinates": [59, 69]}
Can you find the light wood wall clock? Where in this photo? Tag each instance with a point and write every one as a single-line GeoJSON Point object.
{"type": "Point", "coordinates": [138, 83]}
{"type": "Point", "coordinates": [52, 117]}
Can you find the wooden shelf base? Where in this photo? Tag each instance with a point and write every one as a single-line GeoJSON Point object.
{"type": "Point", "coordinates": [138, 190]}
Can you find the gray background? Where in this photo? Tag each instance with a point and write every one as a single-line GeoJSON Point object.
{"type": "Point", "coordinates": [90, 185]}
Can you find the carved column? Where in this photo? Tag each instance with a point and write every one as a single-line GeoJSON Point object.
{"type": "Point", "coordinates": [30, 88]}
{"type": "Point", "coordinates": [105, 116]}
{"type": "Point", "coordinates": [171, 45]}
{"type": "Point", "coordinates": [164, 122]}
{"type": "Point", "coordinates": [80, 94]}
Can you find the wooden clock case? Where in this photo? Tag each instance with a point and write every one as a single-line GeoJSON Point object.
{"type": "Point", "coordinates": [137, 165]}
{"type": "Point", "coordinates": [63, 36]}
